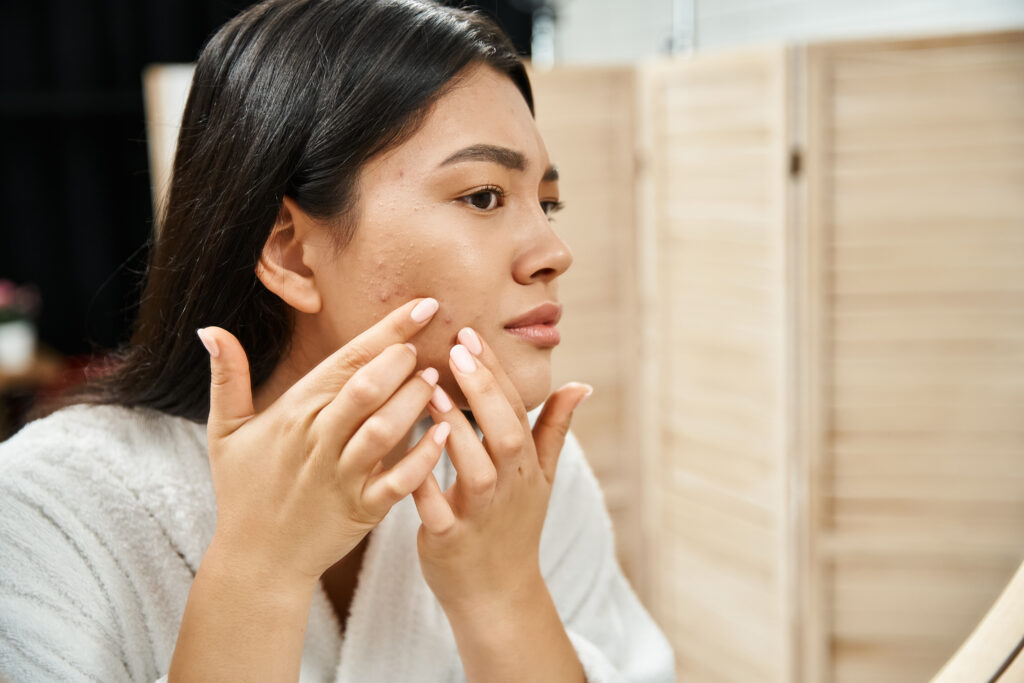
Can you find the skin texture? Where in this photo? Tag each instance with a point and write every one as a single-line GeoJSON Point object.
{"type": "Point", "coordinates": [418, 235]}
{"type": "Point", "coordinates": [307, 465]}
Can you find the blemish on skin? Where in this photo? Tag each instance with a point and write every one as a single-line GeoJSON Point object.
{"type": "Point", "coordinates": [447, 320]}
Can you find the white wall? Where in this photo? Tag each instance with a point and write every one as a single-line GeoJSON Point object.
{"type": "Point", "coordinates": [609, 31]}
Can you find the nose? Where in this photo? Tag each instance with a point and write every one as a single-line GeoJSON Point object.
{"type": "Point", "coordinates": [544, 257]}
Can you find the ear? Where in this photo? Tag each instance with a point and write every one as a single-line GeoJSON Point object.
{"type": "Point", "coordinates": [284, 266]}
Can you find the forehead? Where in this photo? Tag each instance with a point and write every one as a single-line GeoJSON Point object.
{"type": "Point", "coordinates": [483, 107]}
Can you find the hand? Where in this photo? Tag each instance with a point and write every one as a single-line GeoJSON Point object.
{"type": "Point", "coordinates": [480, 539]}
{"type": "Point", "coordinates": [300, 484]}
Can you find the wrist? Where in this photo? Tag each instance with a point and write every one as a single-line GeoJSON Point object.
{"type": "Point", "coordinates": [240, 570]}
{"type": "Point", "coordinates": [485, 612]}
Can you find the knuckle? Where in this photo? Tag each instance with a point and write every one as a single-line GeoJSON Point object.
{"type": "Point", "coordinates": [489, 387]}
{"type": "Point", "coordinates": [397, 327]}
{"type": "Point", "coordinates": [376, 432]}
{"type": "Point", "coordinates": [482, 482]}
{"type": "Point", "coordinates": [560, 427]}
{"type": "Point", "coordinates": [510, 443]}
{"type": "Point", "coordinates": [219, 378]}
{"type": "Point", "coordinates": [362, 391]}
{"type": "Point", "coordinates": [356, 356]}
{"type": "Point", "coordinates": [393, 488]}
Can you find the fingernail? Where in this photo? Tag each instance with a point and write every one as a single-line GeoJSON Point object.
{"type": "Point", "coordinates": [471, 341]}
{"type": "Point", "coordinates": [411, 348]}
{"type": "Point", "coordinates": [424, 310]}
{"type": "Point", "coordinates": [463, 361]}
{"type": "Point", "coordinates": [430, 376]}
{"type": "Point", "coordinates": [586, 394]}
{"type": "Point", "coordinates": [440, 400]}
{"type": "Point", "coordinates": [442, 432]}
{"type": "Point", "coordinates": [209, 342]}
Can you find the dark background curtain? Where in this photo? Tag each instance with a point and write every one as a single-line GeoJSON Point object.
{"type": "Point", "coordinates": [74, 176]}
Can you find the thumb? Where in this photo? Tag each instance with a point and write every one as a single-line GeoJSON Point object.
{"type": "Point", "coordinates": [230, 387]}
{"type": "Point", "coordinates": [552, 425]}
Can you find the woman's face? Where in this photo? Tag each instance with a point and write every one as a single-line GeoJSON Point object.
{"type": "Point", "coordinates": [459, 212]}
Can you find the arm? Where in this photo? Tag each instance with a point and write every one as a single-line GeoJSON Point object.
{"type": "Point", "coordinates": [298, 486]}
{"type": "Point", "coordinates": [613, 633]}
{"type": "Point", "coordinates": [518, 637]}
{"type": "Point", "coordinates": [479, 544]}
{"type": "Point", "coordinates": [479, 541]}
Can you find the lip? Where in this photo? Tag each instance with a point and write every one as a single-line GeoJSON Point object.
{"type": "Point", "coordinates": [537, 326]}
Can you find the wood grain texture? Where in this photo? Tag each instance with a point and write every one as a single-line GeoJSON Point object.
{"type": "Point", "coordinates": [587, 119]}
{"type": "Point", "coordinates": [716, 142]}
{"type": "Point", "coordinates": [915, 199]}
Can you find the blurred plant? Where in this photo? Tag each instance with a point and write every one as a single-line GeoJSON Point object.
{"type": "Point", "coordinates": [18, 302]}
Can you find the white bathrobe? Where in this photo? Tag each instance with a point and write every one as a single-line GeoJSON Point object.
{"type": "Point", "coordinates": [105, 513]}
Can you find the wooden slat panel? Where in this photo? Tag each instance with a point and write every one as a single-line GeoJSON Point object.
{"type": "Point", "coordinates": [918, 202]}
{"type": "Point", "coordinates": [716, 148]}
{"type": "Point", "coordinates": [586, 116]}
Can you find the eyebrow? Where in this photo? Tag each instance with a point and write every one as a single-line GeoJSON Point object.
{"type": "Point", "coordinates": [509, 158]}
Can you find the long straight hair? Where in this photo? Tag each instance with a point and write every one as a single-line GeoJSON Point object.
{"type": "Point", "coordinates": [290, 98]}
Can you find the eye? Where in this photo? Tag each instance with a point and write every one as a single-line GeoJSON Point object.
{"type": "Point", "coordinates": [551, 207]}
{"type": "Point", "coordinates": [486, 199]}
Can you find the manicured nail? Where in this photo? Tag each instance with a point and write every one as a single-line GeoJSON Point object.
{"type": "Point", "coordinates": [463, 361]}
{"type": "Point", "coordinates": [430, 376]}
{"type": "Point", "coordinates": [440, 400]}
{"type": "Point", "coordinates": [209, 342]}
{"type": "Point", "coordinates": [411, 348]}
{"type": "Point", "coordinates": [424, 310]}
{"type": "Point", "coordinates": [442, 432]}
{"type": "Point", "coordinates": [586, 394]}
{"type": "Point", "coordinates": [471, 341]}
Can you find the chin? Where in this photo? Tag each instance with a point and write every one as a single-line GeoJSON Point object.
{"type": "Point", "coordinates": [534, 385]}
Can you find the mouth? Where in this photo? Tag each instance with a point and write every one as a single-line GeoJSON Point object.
{"type": "Point", "coordinates": [537, 326]}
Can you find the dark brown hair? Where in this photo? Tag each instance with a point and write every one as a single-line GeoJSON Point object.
{"type": "Point", "coordinates": [291, 97]}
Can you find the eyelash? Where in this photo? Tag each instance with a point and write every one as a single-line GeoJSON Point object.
{"type": "Point", "coordinates": [551, 207]}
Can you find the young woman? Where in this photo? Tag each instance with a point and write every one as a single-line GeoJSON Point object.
{"type": "Point", "coordinates": [358, 226]}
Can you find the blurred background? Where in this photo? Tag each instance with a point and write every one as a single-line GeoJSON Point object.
{"type": "Point", "coordinates": [798, 291]}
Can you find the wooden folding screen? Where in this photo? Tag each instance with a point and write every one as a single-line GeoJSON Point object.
{"type": "Point", "coordinates": [829, 397]}
{"type": "Point", "coordinates": [587, 119]}
{"type": "Point", "coordinates": [716, 153]}
{"type": "Point", "coordinates": [913, 279]}
{"type": "Point", "coordinates": [838, 330]}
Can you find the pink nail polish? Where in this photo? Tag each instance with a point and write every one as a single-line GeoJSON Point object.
{"type": "Point", "coordinates": [440, 400]}
{"type": "Point", "coordinates": [463, 361]}
{"type": "Point", "coordinates": [442, 432]}
{"type": "Point", "coordinates": [424, 309]}
{"type": "Point", "coordinates": [430, 376]}
{"type": "Point", "coordinates": [209, 342]}
{"type": "Point", "coordinates": [411, 347]}
{"type": "Point", "coordinates": [471, 341]}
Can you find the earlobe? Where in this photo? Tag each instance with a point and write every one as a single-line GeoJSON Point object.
{"type": "Point", "coordinates": [285, 264]}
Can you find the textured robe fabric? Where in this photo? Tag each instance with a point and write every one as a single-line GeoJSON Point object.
{"type": "Point", "coordinates": [105, 513]}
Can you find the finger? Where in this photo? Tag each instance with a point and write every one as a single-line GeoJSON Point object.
{"type": "Point", "coordinates": [435, 512]}
{"type": "Point", "coordinates": [383, 430]}
{"type": "Point", "coordinates": [408, 474]}
{"type": "Point", "coordinates": [230, 387]}
{"type": "Point", "coordinates": [505, 433]}
{"type": "Point", "coordinates": [327, 378]}
{"type": "Point", "coordinates": [479, 347]}
{"type": "Point", "coordinates": [367, 390]}
{"type": "Point", "coordinates": [552, 424]}
{"type": "Point", "coordinates": [476, 477]}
